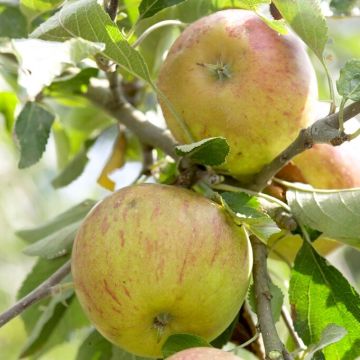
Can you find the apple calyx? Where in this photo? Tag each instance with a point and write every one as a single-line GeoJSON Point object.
{"type": "Point", "coordinates": [160, 322]}
{"type": "Point", "coordinates": [220, 70]}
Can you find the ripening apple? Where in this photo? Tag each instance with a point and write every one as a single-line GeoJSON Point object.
{"type": "Point", "coordinates": [229, 74]}
{"type": "Point", "coordinates": [326, 167]}
{"type": "Point", "coordinates": [203, 353]}
{"type": "Point", "coordinates": [323, 167]}
{"type": "Point", "coordinates": [154, 260]}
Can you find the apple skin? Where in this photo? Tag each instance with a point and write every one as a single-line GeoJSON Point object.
{"type": "Point", "coordinates": [153, 260]}
{"type": "Point", "coordinates": [323, 167]}
{"type": "Point", "coordinates": [260, 108]}
{"type": "Point", "coordinates": [203, 353]}
{"type": "Point", "coordinates": [326, 167]}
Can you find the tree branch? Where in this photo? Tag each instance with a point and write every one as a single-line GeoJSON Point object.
{"type": "Point", "coordinates": [42, 291]}
{"type": "Point", "coordinates": [133, 119]}
{"type": "Point", "coordinates": [112, 8]}
{"type": "Point", "coordinates": [323, 131]}
{"type": "Point", "coordinates": [274, 348]}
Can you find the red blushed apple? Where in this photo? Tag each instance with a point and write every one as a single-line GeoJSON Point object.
{"type": "Point", "coordinates": [154, 260]}
{"type": "Point", "coordinates": [203, 353]}
{"type": "Point", "coordinates": [230, 75]}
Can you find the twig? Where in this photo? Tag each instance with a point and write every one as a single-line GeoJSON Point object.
{"type": "Point", "coordinates": [323, 131]}
{"type": "Point", "coordinates": [133, 119]}
{"type": "Point", "coordinates": [274, 348]}
{"type": "Point", "coordinates": [112, 8]}
{"type": "Point", "coordinates": [42, 291]}
{"type": "Point", "coordinates": [156, 26]}
{"type": "Point", "coordinates": [290, 326]}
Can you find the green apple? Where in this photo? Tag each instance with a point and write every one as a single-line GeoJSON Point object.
{"type": "Point", "coordinates": [203, 353]}
{"type": "Point", "coordinates": [230, 75]}
{"type": "Point", "coordinates": [153, 260]}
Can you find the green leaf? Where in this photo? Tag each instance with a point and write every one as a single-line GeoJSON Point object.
{"type": "Point", "coordinates": [251, 4]}
{"type": "Point", "coordinates": [342, 7]}
{"type": "Point", "coordinates": [225, 336]}
{"type": "Point", "coordinates": [38, 274]}
{"type": "Point", "coordinates": [307, 20]}
{"type": "Point", "coordinates": [211, 151]}
{"type": "Point", "coordinates": [148, 8]}
{"type": "Point", "coordinates": [96, 347]}
{"type": "Point", "coordinates": [319, 296]}
{"type": "Point", "coordinates": [72, 320]}
{"type": "Point", "coordinates": [277, 300]}
{"type": "Point", "coordinates": [32, 129]}
{"type": "Point", "coordinates": [246, 210]}
{"type": "Point", "coordinates": [12, 22]}
{"type": "Point", "coordinates": [76, 84]}
{"type": "Point", "coordinates": [70, 216]}
{"type": "Point", "coordinates": [348, 84]}
{"type": "Point", "coordinates": [87, 19]}
{"type": "Point", "coordinates": [331, 334]}
{"type": "Point", "coordinates": [277, 25]}
{"type": "Point", "coordinates": [334, 213]}
{"type": "Point", "coordinates": [54, 245]}
{"type": "Point", "coordinates": [178, 342]}
{"type": "Point", "coordinates": [47, 322]}
{"type": "Point", "coordinates": [33, 8]}
{"type": "Point", "coordinates": [74, 169]}
{"type": "Point", "coordinates": [41, 61]}
{"type": "Point", "coordinates": [8, 102]}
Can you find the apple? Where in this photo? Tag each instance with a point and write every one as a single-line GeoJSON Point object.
{"type": "Point", "coordinates": [326, 167]}
{"type": "Point", "coordinates": [203, 353]}
{"type": "Point", "coordinates": [323, 167]}
{"type": "Point", "coordinates": [153, 260]}
{"type": "Point", "coordinates": [229, 74]}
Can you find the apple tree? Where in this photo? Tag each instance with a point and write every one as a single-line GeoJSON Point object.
{"type": "Point", "coordinates": [212, 148]}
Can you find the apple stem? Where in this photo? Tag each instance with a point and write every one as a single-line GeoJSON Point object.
{"type": "Point", "coordinates": [160, 322]}
{"type": "Point", "coordinates": [220, 70]}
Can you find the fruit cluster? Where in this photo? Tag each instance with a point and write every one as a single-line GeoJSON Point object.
{"type": "Point", "coordinates": [154, 260]}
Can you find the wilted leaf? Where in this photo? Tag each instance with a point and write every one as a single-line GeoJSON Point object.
{"type": "Point", "coordinates": [211, 151]}
{"type": "Point", "coordinates": [149, 8]}
{"type": "Point", "coordinates": [331, 334]}
{"type": "Point", "coordinates": [115, 161]}
{"type": "Point", "coordinates": [319, 296]}
{"type": "Point", "coordinates": [348, 84]}
{"type": "Point", "coordinates": [32, 129]}
{"type": "Point", "coordinates": [178, 342]}
{"type": "Point", "coordinates": [87, 19]}
{"type": "Point", "coordinates": [41, 61]}
{"type": "Point", "coordinates": [307, 20]}
{"type": "Point", "coordinates": [335, 213]}
{"type": "Point", "coordinates": [246, 210]}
